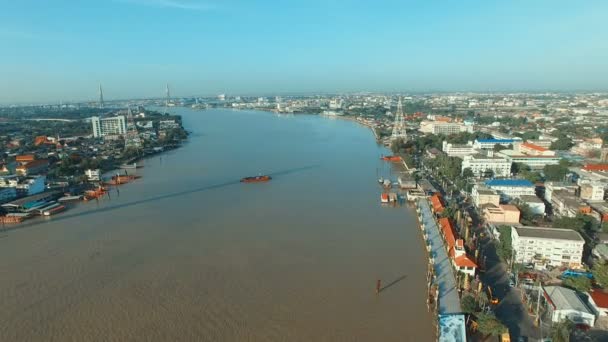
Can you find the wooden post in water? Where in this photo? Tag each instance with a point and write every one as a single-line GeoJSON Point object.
{"type": "Point", "coordinates": [378, 286]}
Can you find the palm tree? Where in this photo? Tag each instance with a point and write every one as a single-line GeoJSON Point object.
{"type": "Point", "coordinates": [489, 325]}
{"type": "Point", "coordinates": [483, 300]}
{"type": "Point", "coordinates": [561, 331]}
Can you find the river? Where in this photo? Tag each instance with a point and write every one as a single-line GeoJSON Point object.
{"type": "Point", "coordinates": [187, 253]}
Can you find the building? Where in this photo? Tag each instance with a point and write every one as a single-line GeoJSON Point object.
{"type": "Point", "coordinates": [547, 246]}
{"type": "Point", "coordinates": [445, 128]}
{"type": "Point", "coordinates": [598, 303]}
{"type": "Point", "coordinates": [536, 205]}
{"type": "Point", "coordinates": [93, 175]}
{"type": "Point", "coordinates": [546, 143]}
{"type": "Point", "coordinates": [596, 167]}
{"type": "Point", "coordinates": [488, 144]}
{"type": "Point", "coordinates": [534, 150]}
{"type": "Point", "coordinates": [551, 187]}
{"type": "Point", "coordinates": [503, 214]}
{"type": "Point", "coordinates": [33, 167]}
{"type": "Point", "coordinates": [511, 188]}
{"type": "Point", "coordinates": [564, 304]}
{"type": "Point", "coordinates": [592, 191]}
{"type": "Point", "coordinates": [535, 162]}
{"type": "Point", "coordinates": [115, 125]}
{"type": "Point", "coordinates": [31, 186]}
{"type": "Point", "coordinates": [564, 203]}
{"type": "Point", "coordinates": [25, 158]}
{"type": "Point", "coordinates": [458, 150]}
{"type": "Point", "coordinates": [480, 164]}
{"type": "Point", "coordinates": [7, 194]}
{"type": "Point", "coordinates": [483, 195]}
{"type": "Point", "coordinates": [455, 248]}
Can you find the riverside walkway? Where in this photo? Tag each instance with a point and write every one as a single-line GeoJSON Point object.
{"type": "Point", "coordinates": [449, 303]}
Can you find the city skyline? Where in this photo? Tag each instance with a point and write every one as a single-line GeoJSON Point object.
{"type": "Point", "coordinates": [134, 47]}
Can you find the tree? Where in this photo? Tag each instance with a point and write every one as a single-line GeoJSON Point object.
{"type": "Point", "coordinates": [527, 216]}
{"type": "Point", "coordinates": [563, 143]}
{"type": "Point", "coordinates": [504, 248]}
{"type": "Point", "coordinates": [468, 304]}
{"type": "Point", "coordinates": [467, 173]}
{"type": "Point", "coordinates": [561, 331]}
{"type": "Point", "coordinates": [581, 284]}
{"type": "Point", "coordinates": [600, 273]}
{"type": "Point", "coordinates": [605, 227]}
{"type": "Point", "coordinates": [517, 168]}
{"type": "Point", "coordinates": [488, 324]}
{"type": "Point", "coordinates": [579, 223]}
{"type": "Point", "coordinates": [488, 173]}
{"type": "Point", "coordinates": [555, 172]}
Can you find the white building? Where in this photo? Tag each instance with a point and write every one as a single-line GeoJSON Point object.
{"type": "Point", "coordinates": [547, 246]}
{"type": "Point", "coordinates": [482, 195]}
{"type": "Point", "coordinates": [488, 144]}
{"type": "Point", "coordinates": [592, 191]}
{"type": "Point", "coordinates": [535, 162]}
{"type": "Point", "coordinates": [458, 150]}
{"type": "Point", "coordinates": [93, 175]}
{"type": "Point", "coordinates": [445, 128]}
{"type": "Point", "coordinates": [564, 304]}
{"type": "Point", "coordinates": [536, 205]}
{"type": "Point", "coordinates": [114, 125]}
{"type": "Point", "coordinates": [479, 164]}
{"type": "Point", "coordinates": [511, 188]}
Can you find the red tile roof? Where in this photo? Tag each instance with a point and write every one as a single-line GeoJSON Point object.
{"type": "Point", "coordinates": [437, 203]}
{"type": "Point", "coordinates": [464, 261]}
{"type": "Point", "coordinates": [535, 147]}
{"type": "Point", "coordinates": [596, 167]}
{"type": "Point", "coordinates": [448, 232]}
{"type": "Point", "coordinates": [600, 298]}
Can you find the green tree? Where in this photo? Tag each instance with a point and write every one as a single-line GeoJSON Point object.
{"type": "Point", "coordinates": [468, 304]}
{"type": "Point", "coordinates": [600, 273]}
{"type": "Point", "coordinates": [467, 173]}
{"type": "Point", "coordinates": [605, 227]}
{"type": "Point", "coordinates": [527, 216]}
{"type": "Point", "coordinates": [489, 325]}
{"type": "Point", "coordinates": [517, 168]}
{"type": "Point", "coordinates": [561, 331]}
{"type": "Point", "coordinates": [579, 223]}
{"type": "Point", "coordinates": [504, 248]}
{"type": "Point", "coordinates": [555, 172]}
{"type": "Point", "coordinates": [563, 143]}
{"type": "Point", "coordinates": [581, 284]}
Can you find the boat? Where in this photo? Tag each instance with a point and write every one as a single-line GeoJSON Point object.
{"type": "Point", "coordinates": [53, 210]}
{"type": "Point", "coordinates": [70, 198]}
{"type": "Point", "coordinates": [129, 166]}
{"type": "Point", "coordinates": [395, 159]}
{"type": "Point", "coordinates": [384, 198]}
{"type": "Point", "coordinates": [387, 183]}
{"type": "Point", "coordinates": [256, 179]}
{"type": "Point", "coordinates": [381, 180]}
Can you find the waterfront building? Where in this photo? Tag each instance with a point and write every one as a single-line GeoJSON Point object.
{"type": "Point", "coordinates": [511, 188]}
{"type": "Point", "coordinates": [7, 194]}
{"type": "Point", "coordinates": [115, 125]}
{"type": "Point", "coordinates": [488, 144]}
{"type": "Point", "coordinates": [564, 303]}
{"type": "Point", "coordinates": [547, 246]}
{"type": "Point", "coordinates": [480, 164]}
{"type": "Point", "coordinates": [32, 168]}
{"type": "Point", "coordinates": [93, 175]}
{"type": "Point", "coordinates": [455, 248]}
{"type": "Point", "coordinates": [458, 150]}
{"type": "Point", "coordinates": [31, 185]}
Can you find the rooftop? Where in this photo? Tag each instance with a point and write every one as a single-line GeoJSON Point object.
{"type": "Point", "coordinates": [565, 299]}
{"type": "Point", "coordinates": [530, 199]}
{"type": "Point", "coordinates": [535, 147]}
{"type": "Point", "coordinates": [496, 141]}
{"type": "Point", "coordinates": [600, 298]}
{"type": "Point", "coordinates": [549, 233]}
{"type": "Point", "coordinates": [596, 167]}
{"type": "Point", "coordinates": [509, 182]}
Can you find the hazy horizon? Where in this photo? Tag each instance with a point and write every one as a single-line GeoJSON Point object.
{"type": "Point", "coordinates": [61, 53]}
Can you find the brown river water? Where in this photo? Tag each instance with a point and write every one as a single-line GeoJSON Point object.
{"type": "Point", "coordinates": [187, 253]}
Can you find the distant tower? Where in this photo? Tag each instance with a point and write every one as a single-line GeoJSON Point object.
{"type": "Point", "coordinates": [399, 129]}
{"type": "Point", "coordinates": [100, 97]}
{"type": "Point", "coordinates": [168, 98]}
{"type": "Point", "coordinates": [132, 137]}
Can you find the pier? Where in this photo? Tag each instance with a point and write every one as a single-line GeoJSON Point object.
{"type": "Point", "coordinates": [448, 299]}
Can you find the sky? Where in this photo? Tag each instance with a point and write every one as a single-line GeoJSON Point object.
{"type": "Point", "coordinates": [61, 50]}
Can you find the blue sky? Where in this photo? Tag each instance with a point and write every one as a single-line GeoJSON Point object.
{"type": "Point", "coordinates": [61, 49]}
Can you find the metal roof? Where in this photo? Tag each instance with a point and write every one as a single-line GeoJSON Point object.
{"type": "Point", "coordinates": [496, 141]}
{"type": "Point", "coordinates": [549, 233]}
{"type": "Point", "coordinates": [509, 182]}
{"type": "Point", "coordinates": [565, 299]}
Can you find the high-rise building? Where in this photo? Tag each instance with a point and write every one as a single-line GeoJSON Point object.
{"type": "Point", "coordinates": [102, 127]}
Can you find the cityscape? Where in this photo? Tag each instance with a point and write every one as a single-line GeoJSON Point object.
{"type": "Point", "coordinates": [308, 190]}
